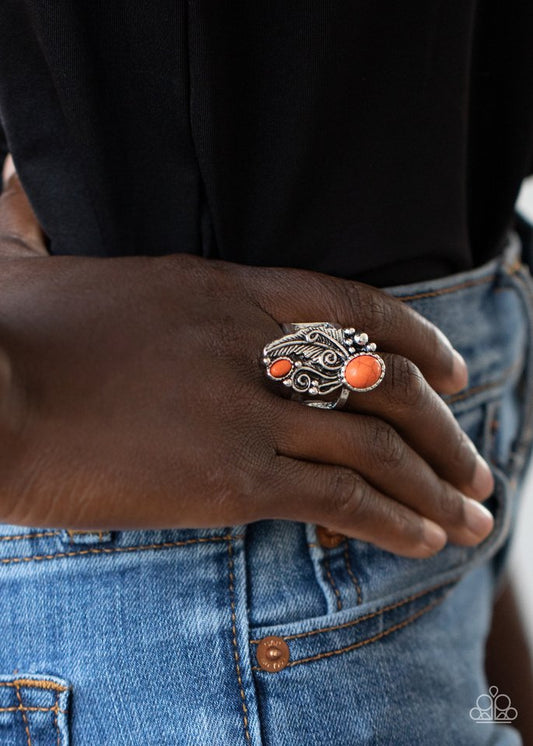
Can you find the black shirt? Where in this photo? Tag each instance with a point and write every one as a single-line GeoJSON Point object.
{"type": "Point", "coordinates": [381, 141]}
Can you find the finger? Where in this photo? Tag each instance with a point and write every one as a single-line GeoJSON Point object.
{"type": "Point", "coordinates": [20, 232]}
{"type": "Point", "coordinates": [406, 401]}
{"type": "Point", "coordinates": [291, 295]}
{"type": "Point", "coordinates": [342, 500]}
{"type": "Point", "coordinates": [374, 450]}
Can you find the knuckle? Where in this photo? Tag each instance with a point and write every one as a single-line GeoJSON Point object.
{"type": "Point", "coordinates": [348, 495]}
{"type": "Point", "coordinates": [438, 347]}
{"type": "Point", "coordinates": [386, 445]}
{"type": "Point", "coordinates": [451, 506]}
{"type": "Point", "coordinates": [410, 526]}
{"type": "Point", "coordinates": [352, 300]}
{"type": "Point", "coordinates": [407, 385]}
{"type": "Point", "coordinates": [425, 551]}
{"type": "Point", "coordinates": [378, 311]}
{"type": "Point", "coordinates": [462, 455]}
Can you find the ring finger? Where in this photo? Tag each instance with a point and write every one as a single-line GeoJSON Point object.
{"type": "Point", "coordinates": [373, 449]}
{"type": "Point", "coordinates": [406, 401]}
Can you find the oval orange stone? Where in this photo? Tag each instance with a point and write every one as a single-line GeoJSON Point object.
{"type": "Point", "coordinates": [280, 368]}
{"type": "Point", "coordinates": [362, 371]}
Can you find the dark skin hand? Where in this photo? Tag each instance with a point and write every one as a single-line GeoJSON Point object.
{"type": "Point", "coordinates": [132, 395]}
{"type": "Point", "coordinates": [98, 394]}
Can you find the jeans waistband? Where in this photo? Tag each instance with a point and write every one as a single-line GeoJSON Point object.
{"type": "Point", "coordinates": [508, 262]}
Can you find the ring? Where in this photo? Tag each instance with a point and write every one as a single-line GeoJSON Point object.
{"type": "Point", "coordinates": [322, 359]}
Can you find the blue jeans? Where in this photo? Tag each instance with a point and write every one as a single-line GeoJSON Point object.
{"type": "Point", "coordinates": [271, 633]}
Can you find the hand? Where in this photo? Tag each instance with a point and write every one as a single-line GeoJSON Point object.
{"type": "Point", "coordinates": [132, 395]}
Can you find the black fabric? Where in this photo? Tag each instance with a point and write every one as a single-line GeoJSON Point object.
{"type": "Point", "coordinates": [379, 141]}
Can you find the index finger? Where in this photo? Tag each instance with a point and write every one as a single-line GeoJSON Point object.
{"type": "Point", "coordinates": [293, 295]}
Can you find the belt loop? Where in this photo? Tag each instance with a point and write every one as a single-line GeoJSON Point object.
{"type": "Point", "coordinates": [70, 536]}
{"type": "Point", "coordinates": [511, 257]}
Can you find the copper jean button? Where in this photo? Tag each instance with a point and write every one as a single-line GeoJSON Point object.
{"type": "Point", "coordinates": [272, 654]}
{"type": "Point", "coordinates": [328, 538]}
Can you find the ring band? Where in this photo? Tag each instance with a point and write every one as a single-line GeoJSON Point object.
{"type": "Point", "coordinates": [321, 359]}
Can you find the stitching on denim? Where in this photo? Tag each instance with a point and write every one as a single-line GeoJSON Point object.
{"type": "Point", "coordinates": [56, 720]}
{"type": "Point", "coordinates": [332, 583]}
{"type": "Point", "coordinates": [35, 683]}
{"type": "Point", "coordinates": [450, 289]}
{"type": "Point", "coordinates": [234, 639]}
{"type": "Point", "coordinates": [17, 537]}
{"type": "Point", "coordinates": [524, 289]}
{"type": "Point", "coordinates": [30, 708]}
{"type": "Point", "coordinates": [117, 550]}
{"type": "Point", "coordinates": [351, 572]}
{"type": "Point", "coordinates": [24, 716]}
{"type": "Point", "coordinates": [361, 643]}
{"type": "Point", "coordinates": [485, 386]}
{"type": "Point", "coordinates": [353, 623]}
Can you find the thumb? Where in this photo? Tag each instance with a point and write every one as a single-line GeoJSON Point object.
{"type": "Point", "coordinates": [20, 232]}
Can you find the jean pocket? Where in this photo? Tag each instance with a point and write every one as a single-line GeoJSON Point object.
{"type": "Point", "coordinates": [276, 647]}
{"type": "Point", "coordinates": [370, 592]}
{"type": "Point", "coordinates": [34, 710]}
{"type": "Point", "coordinates": [394, 593]}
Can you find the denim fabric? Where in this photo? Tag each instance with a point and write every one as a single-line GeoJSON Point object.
{"type": "Point", "coordinates": [152, 637]}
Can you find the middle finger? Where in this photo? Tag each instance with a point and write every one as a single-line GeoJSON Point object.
{"type": "Point", "coordinates": [406, 401]}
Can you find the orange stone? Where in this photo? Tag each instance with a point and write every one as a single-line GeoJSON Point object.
{"type": "Point", "coordinates": [362, 371]}
{"type": "Point", "coordinates": [280, 368]}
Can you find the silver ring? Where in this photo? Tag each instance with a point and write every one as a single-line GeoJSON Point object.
{"type": "Point", "coordinates": [321, 359]}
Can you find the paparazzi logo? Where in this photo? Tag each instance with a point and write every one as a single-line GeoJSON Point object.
{"type": "Point", "coordinates": [493, 707]}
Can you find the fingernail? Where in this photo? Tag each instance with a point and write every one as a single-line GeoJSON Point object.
{"type": "Point", "coordinates": [477, 518]}
{"type": "Point", "coordinates": [459, 371]}
{"type": "Point", "coordinates": [483, 481]}
{"type": "Point", "coordinates": [435, 536]}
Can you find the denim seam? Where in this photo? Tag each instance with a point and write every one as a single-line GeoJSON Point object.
{"type": "Point", "coordinates": [18, 537]}
{"type": "Point", "coordinates": [31, 708]}
{"type": "Point", "coordinates": [35, 684]}
{"type": "Point", "coordinates": [56, 720]}
{"type": "Point", "coordinates": [332, 583]}
{"type": "Point", "coordinates": [118, 550]}
{"type": "Point", "coordinates": [523, 287]}
{"type": "Point", "coordinates": [484, 386]}
{"type": "Point", "coordinates": [351, 572]}
{"type": "Point", "coordinates": [446, 290]}
{"type": "Point", "coordinates": [511, 270]}
{"type": "Point", "coordinates": [234, 639]}
{"type": "Point", "coordinates": [361, 643]}
{"type": "Point", "coordinates": [364, 618]}
{"type": "Point", "coordinates": [24, 716]}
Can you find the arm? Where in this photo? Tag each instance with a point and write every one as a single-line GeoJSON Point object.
{"type": "Point", "coordinates": [509, 663]}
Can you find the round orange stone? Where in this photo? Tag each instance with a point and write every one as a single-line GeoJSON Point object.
{"type": "Point", "coordinates": [362, 372]}
{"type": "Point", "coordinates": [280, 368]}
